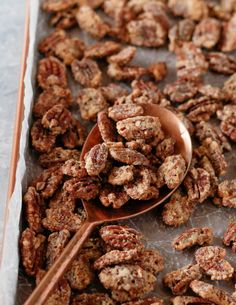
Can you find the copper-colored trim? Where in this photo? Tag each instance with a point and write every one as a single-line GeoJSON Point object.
{"type": "Point", "coordinates": [19, 117]}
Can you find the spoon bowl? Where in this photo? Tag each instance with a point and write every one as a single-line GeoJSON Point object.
{"type": "Point", "coordinates": [97, 213]}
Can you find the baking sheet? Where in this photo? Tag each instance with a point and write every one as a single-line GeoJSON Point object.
{"type": "Point", "coordinates": [15, 286]}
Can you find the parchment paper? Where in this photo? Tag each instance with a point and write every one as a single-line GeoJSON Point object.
{"type": "Point", "coordinates": [15, 286]}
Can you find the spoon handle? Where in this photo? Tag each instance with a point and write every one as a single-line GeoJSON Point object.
{"type": "Point", "coordinates": [51, 278]}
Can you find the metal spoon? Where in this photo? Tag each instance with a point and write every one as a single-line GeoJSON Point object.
{"type": "Point", "coordinates": [97, 213]}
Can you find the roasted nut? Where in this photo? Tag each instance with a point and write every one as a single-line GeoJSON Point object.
{"type": "Point", "coordinates": [180, 33]}
{"type": "Point", "coordinates": [226, 193]}
{"type": "Point", "coordinates": [179, 280]}
{"type": "Point", "coordinates": [181, 90]}
{"type": "Point", "coordinates": [57, 156]}
{"type": "Point", "coordinates": [34, 209]}
{"type": "Point", "coordinates": [106, 127]}
{"type": "Point", "coordinates": [121, 237]}
{"type": "Point", "coordinates": [113, 91]}
{"type": "Point", "coordinates": [139, 145]}
{"type": "Point", "coordinates": [80, 274]}
{"type": "Point", "coordinates": [113, 196]}
{"type": "Point", "coordinates": [91, 102]}
{"type": "Point", "coordinates": [158, 70]}
{"type": "Point", "coordinates": [51, 72]}
{"type": "Point", "coordinates": [147, 301]}
{"type": "Point", "coordinates": [212, 293]}
{"type": "Point", "coordinates": [140, 127]}
{"type": "Point", "coordinates": [102, 49]}
{"type": "Point", "coordinates": [74, 168]}
{"type": "Point", "coordinates": [191, 62]}
{"type": "Point", "coordinates": [207, 33]}
{"type": "Point", "coordinates": [150, 260]}
{"type": "Point", "coordinates": [192, 237]}
{"type": "Point", "coordinates": [193, 9]}
{"type": "Point", "coordinates": [165, 148]}
{"type": "Point", "coordinates": [132, 280]}
{"type": "Point", "coordinates": [75, 136]}
{"type": "Point", "coordinates": [42, 139]}
{"type": "Point", "coordinates": [221, 62]}
{"type": "Point", "coordinates": [50, 97]}
{"type": "Point", "coordinates": [62, 219]}
{"type": "Point", "coordinates": [48, 44]}
{"type": "Point", "coordinates": [123, 57]}
{"type": "Point", "coordinates": [96, 159]}
{"type": "Point", "coordinates": [188, 300]}
{"type": "Point", "coordinates": [56, 243]}
{"type": "Point", "coordinates": [230, 89]}
{"type": "Point", "coordinates": [64, 19]}
{"type": "Point", "coordinates": [121, 175]}
{"type": "Point", "coordinates": [213, 92]}
{"type": "Point", "coordinates": [86, 72]}
{"type": "Point", "coordinates": [228, 42]}
{"type": "Point", "coordinates": [128, 156]}
{"type": "Point", "coordinates": [52, 6]}
{"type": "Point", "coordinates": [230, 236]}
{"type": "Point", "coordinates": [90, 22]}
{"type": "Point", "coordinates": [32, 249]}
{"type": "Point", "coordinates": [92, 299]}
{"type": "Point", "coordinates": [62, 199]}
{"type": "Point", "coordinates": [145, 92]}
{"type": "Point", "coordinates": [126, 72]}
{"type": "Point", "coordinates": [121, 112]}
{"type": "Point", "coordinates": [57, 119]}
{"type": "Point", "coordinates": [178, 210]}
{"type": "Point", "coordinates": [212, 262]}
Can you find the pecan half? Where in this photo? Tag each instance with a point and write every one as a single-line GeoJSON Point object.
{"type": "Point", "coordinates": [75, 136]}
{"type": "Point", "coordinates": [121, 175]}
{"type": "Point", "coordinates": [64, 19]}
{"type": "Point", "coordinates": [150, 260]}
{"type": "Point", "coordinates": [165, 148]}
{"type": "Point", "coordinates": [125, 111]}
{"type": "Point", "coordinates": [228, 42]}
{"type": "Point", "coordinates": [128, 156]}
{"type": "Point", "coordinates": [95, 159]}
{"type": "Point", "coordinates": [102, 49]}
{"type": "Point", "coordinates": [181, 90]}
{"type": "Point", "coordinates": [125, 73]}
{"type": "Point", "coordinates": [123, 57]}
{"type": "Point", "coordinates": [230, 236]}
{"type": "Point", "coordinates": [113, 196]}
{"type": "Point", "coordinates": [221, 63]}
{"type": "Point", "coordinates": [226, 193]}
{"type": "Point", "coordinates": [48, 44]}
{"type": "Point", "coordinates": [106, 127]}
{"type": "Point", "coordinates": [42, 139]}
{"type": "Point", "coordinates": [113, 91]}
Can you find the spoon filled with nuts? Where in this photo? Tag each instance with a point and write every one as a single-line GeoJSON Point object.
{"type": "Point", "coordinates": [132, 161]}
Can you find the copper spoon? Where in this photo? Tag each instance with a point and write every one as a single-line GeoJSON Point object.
{"type": "Point", "coordinates": [97, 213]}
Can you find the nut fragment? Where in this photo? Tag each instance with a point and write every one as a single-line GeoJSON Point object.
{"type": "Point", "coordinates": [86, 72]}
{"type": "Point", "coordinates": [106, 127]}
{"type": "Point", "coordinates": [128, 156]}
{"type": "Point", "coordinates": [42, 139]}
{"type": "Point", "coordinates": [145, 92]}
{"type": "Point", "coordinates": [32, 249]}
{"type": "Point", "coordinates": [51, 72]}
{"type": "Point", "coordinates": [92, 299]}
{"type": "Point", "coordinates": [192, 237]}
{"type": "Point", "coordinates": [179, 280]}
{"type": "Point", "coordinates": [121, 112]}
{"type": "Point", "coordinates": [230, 236]}
{"type": "Point", "coordinates": [212, 293]}
{"type": "Point", "coordinates": [95, 159]}
{"type": "Point", "coordinates": [102, 49]}
{"type": "Point", "coordinates": [113, 196]}
{"type": "Point", "coordinates": [121, 175]}
{"type": "Point", "coordinates": [123, 57]}
{"type": "Point", "coordinates": [221, 62]}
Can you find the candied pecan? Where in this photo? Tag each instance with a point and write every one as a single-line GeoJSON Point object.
{"type": "Point", "coordinates": [146, 92]}
{"type": "Point", "coordinates": [221, 63]}
{"type": "Point", "coordinates": [121, 237]}
{"type": "Point", "coordinates": [228, 127]}
{"type": "Point", "coordinates": [211, 260]}
{"type": "Point", "coordinates": [181, 90]}
{"type": "Point", "coordinates": [179, 280]}
{"type": "Point", "coordinates": [139, 145]}
{"type": "Point", "coordinates": [128, 156]}
{"type": "Point", "coordinates": [51, 72]}
{"type": "Point", "coordinates": [227, 194]}
{"type": "Point", "coordinates": [165, 148]}
{"type": "Point", "coordinates": [141, 188]}
{"type": "Point", "coordinates": [102, 49]}
{"type": "Point", "coordinates": [140, 127]}
{"type": "Point", "coordinates": [92, 249]}
{"type": "Point", "coordinates": [91, 22]}
{"type": "Point", "coordinates": [121, 112]}
{"type": "Point", "coordinates": [207, 33]}
{"type": "Point", "coordinates": [188, 124]}
{"type": "Point", "coordinates": [158, 70]}
{"type": "Point", "coordinates": [150, 260]}
{"type": "Point", "coordinates": [180, 32]}
{"type": "Point", "coordinates": [32, 249]}
{"type": "Point", "coordinates": [69, 49]}
{"type": "Point", "coordinates": [57, 156]}
{"type": "Point", "coordinates": [191, 62]}
{"type": "Point", "coordinates": [50, 97]}
{"type": "Point", "coordinates": [80, 274]}
{"type": "Point", "coordinates": [64, 19]}
{"type": "Point", "coordinates": [193, 9]}
{"type": "Point", "coordinates": [95, 159]}
{"type": "Point", "coordinates": [62, 219]}
{"type": "Point", "coordinates": [213, 92]}
{"type": "Point", "coordinates": [57, 119]}
{"type": "Point", "coordinates": [75, 136]}
{"type": "Point", "coordinates": [48, 44]}
{"type": "Point", "coordinates": [33, 208]}
{"type": "Point", "coordinates": [146, 301]}
{"type": "Point", "coordinates": [132, 280]}
{"type": "Point", "coordinates": [56, 243]}
{"type": "Point", "coordinates": [230, 236]}
{"type": "Point", "coordinates": [106, 127]}
{"type": "Point", "coordinates": [113, 91]}
{"type": "Point", "coordinates": [211, 293]}
{"type": "Point", "coordinates": [189, 300]}
{"type": "Point", "coordinates": [92, 299]}
{"type": "Point", "coordinates": [74, 168]}
{"type": "Point", "coordinates": [123, 57]}
{"type": "Point", "coordinates": [177, 210]}
{"type": "Point", "coordinates": [48, 181]}
{"type": "Point", "coordinates": [192, 237]}
{"type": "Point", "coordinates": [91, 3]}
{"type": "Point", "coordinates": [206, 130]}
{"type": "Point", "coordinates": [228, 42]}
{"type": "Point", "coordinates": [126, 72]}
{"type": "Point", "coordinates": [85, 188]}
{"type": "Point", "coordinates": [42, 139]}
{"type": "Point", "coordinates": [230, 87]}
{"type": "Point", "coordinates": [121, 175]}
{"type": "Point", "coordinates": [62, 199]}
{"type": "Point", "coordinates": [52, 6]}
{"type": "Point", "coordinates": [172, 170]}
{"type": "Point", "coordinates": [113, 196]}
{"type": "Point", "coordinates": [115, 257]}
{"type": "Point", "coordinates": [91, 101]}
{"type": "Point", "coordinates": [86, 72]}
{"type": "Point", "coordinates": [198, 184]}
